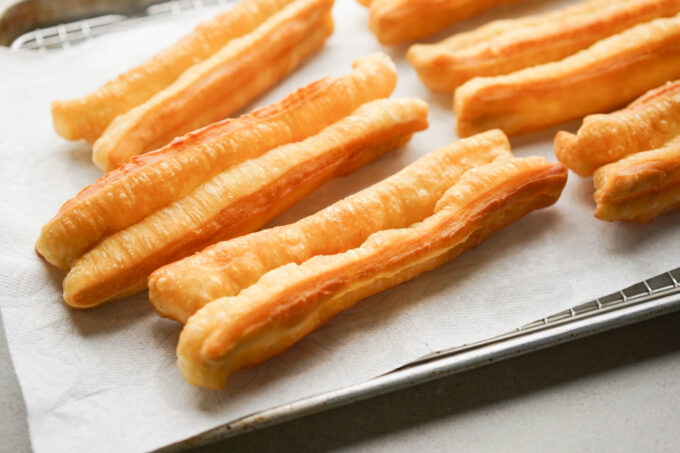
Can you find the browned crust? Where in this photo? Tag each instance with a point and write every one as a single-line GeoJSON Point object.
{"type": "Point", "coordinates": [240, 200]}
{"type": "Point", "coordinates": [606, 75]}
{"type": "Point", "coordinates": [129, 194]}
{"type": "Point", "coordinates": [217, 86]}
{"type": "Point", "coordinates": [87, 117]}
{"type": "Point", "coordinates": [650, 122]}
{"type": "Point", "coordinates": [290, 302]}
{"type": "Point", "coordinates": [179, 289]}
{"type": "Point", "coordinates": [639, 187]}
{"type": "Point", "coordinates": [504, 46]}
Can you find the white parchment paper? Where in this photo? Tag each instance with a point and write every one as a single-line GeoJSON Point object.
{"type": "Point", "coordinates": [106, 378]}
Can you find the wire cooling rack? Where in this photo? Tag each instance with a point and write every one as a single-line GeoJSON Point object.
{"type": "Point", "coordinates": [645, 300]}
{"type": "Point", "coordinates": [65, 35]}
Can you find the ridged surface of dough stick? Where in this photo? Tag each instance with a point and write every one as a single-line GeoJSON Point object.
{"type": "Point", "coordinates": [179, 289]}
{"type": "Point", "coordinates": [269, 76]}
{"type": "Point", "coordinates": [650, 122]}
{"type": "Point", "coordinates": [129, 194]}
{"type": "Point", "coordinates": [605, 76]}
{"type": "Point", "coordinates": [639, 187]}
{"type": "Point", "coordinates": [289, 302]}
{"type": "Point", "coordinates": [504, 46]}
{"type": "Point", "coordinates": [87, 117]}
{"type": "Point", "coordinates": [205, 89]}
{"type": "Point", "coordinates": [239, 200]}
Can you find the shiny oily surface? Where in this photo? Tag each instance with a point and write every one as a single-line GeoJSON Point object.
{"type": "Point", "coordinates": [508, 45]}
{"type": "Point", "coordinates": [293, 300]}
{"type": "Point", "coordinates": [179, 289]}
{"type": "Point", "coordinates": [607, 75]}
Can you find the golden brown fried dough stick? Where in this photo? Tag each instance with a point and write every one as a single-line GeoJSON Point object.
{"type": "Point", "coordinates": [396, 21]}
{"type": "Point", "coordinates": [639, 187]}
{"type": "Point", "coordinates": [288, 303]}
{"type": "Point", "coordinates": [210, 90]}
{"type": "Point", "coordinates": [239, 200]}
{"type": "Point", "coordinates": [606, 75]}
{"type": "Point", "coordinates": [131, 193]}
{"type": "Point", "coordinates": [259, 83]}
{"type": "Point", "coordinates": [505, 46]}
{"type": "Point", "coordinates": [88, 116]}
{"type": "Point", "coordinates": [650, 122]}
{"type": "Point", "coordinates": [179, 289]}
{"type": "Point", "coordinates": [634, 154]}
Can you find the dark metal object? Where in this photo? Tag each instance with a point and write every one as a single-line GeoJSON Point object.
{"type": "Point", "coordinates": [19, 17]}
{"type": "Point", "coordinates": [48, 24]}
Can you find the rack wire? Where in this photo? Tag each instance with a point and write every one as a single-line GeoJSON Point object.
{"type": "Point", "coordinates": [661, 286]}
{"type": "Point", "coordinates": [63, 36]}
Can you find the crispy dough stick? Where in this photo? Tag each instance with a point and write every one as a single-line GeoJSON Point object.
{"type": "Point", "coordinates": [396, 21]}
{"type": "Point", "coordinates": [648, 123]}
{"type": "Point", "coordinates": [639, 187]}
{"type": "Point", "coordinates": [266, 78]}
{"type": "Point", "coordinates": [606, 75]}
{"type": "Point", "coordinates": [179, 289]}
{"type": "Point", "coordinates": [288, 303]}
{"type": "Point", "coordinates": [205, 90]}
{"type": "Point", "coordinates": [129, 194]}
{"type": "Point", "coordinates": [88, 116]}
{"type": "Point", "coordinates": [504, 46]}
{"type": "Point", "coordinates": [239, 200]}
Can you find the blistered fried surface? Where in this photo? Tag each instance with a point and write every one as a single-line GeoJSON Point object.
{"type": "Point", "coordinates": [648, 123]}
{"type": "Point", "coordinates": [239, 200]}
{"type": "Point", "coordinates": [504, 46]}
{"type": "Point", "coordinates": [179, 289]}
{"type": "Point", "coordinates": [212, 89]}
{"type": "Point", "coordinates": [289, 302]}
{"type": "Point", "coordinates": [640, 186]}
{"type": "Point", "coordinates": [149, 182]}
{"type": "Point", "coordinates": [610, 73]}
{"type": "Point", "coordinates": [88, 116]}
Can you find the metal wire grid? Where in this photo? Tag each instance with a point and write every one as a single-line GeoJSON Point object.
{"type": "Point", "coordinates": [63, 36]}
{"type": "Point", "coordinates": [660, 286]}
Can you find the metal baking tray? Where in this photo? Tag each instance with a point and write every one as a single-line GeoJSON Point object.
{"type": "Point", "coordinates": [45, 25]}
{"type": "Point", "coordinates": [648, 299]}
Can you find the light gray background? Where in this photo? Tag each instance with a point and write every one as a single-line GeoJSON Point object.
{"type": "Point", "coordinates": [613, 392]}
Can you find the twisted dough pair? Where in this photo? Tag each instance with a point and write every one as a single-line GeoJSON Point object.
{"type": "Point", "coordinates": [606, 75]}
{"type": "Point", "coordinates": [250, 298]}
{"type": "Point", "coordinates": [634, 155]}
{"type": "Point", "coordinates": [206, 76]}
{"type": "Point", "coordinates": [508, 45]}
{"type": "Point", "coordinates": [525, 87]}
{"type": "Point", "coordinates": [225, 180]}
{"type": "Point", "coordinates": [526, 74]}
